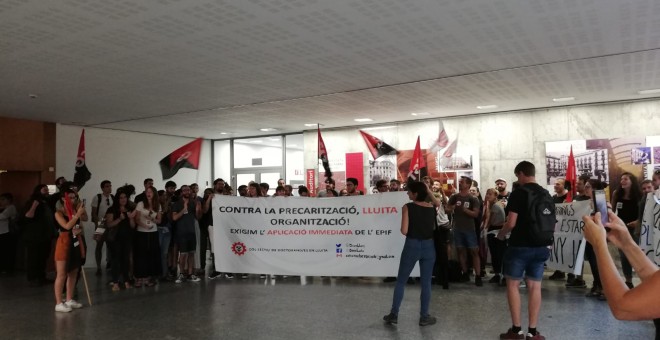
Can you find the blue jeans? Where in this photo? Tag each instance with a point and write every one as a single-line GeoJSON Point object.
{"type": "Point", "coordinates": [164, 238]}
{"type": "Point", "coordinates": [413, 251]}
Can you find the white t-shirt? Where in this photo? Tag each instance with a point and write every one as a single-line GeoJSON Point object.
{"type": "Point", "coordinates": [145, 217]}
{"type": "Point", "coordinates": [106, 202]}
{"type": "Point", "coordinates": [5, 215]}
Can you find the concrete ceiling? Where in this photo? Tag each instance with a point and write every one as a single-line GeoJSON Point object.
{"type": "Point", "coordinates": [221, 69]}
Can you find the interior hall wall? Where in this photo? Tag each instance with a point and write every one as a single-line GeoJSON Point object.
{"type": "Point", "coordinates": [123, 157]}
{"type": "Point", "coordinates": [504, 139]}
{"type": "Point", "coordinates": [27, 152]}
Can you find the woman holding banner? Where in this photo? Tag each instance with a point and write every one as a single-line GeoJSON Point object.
{"type": "Point", "coordinates": [69, 249]}
{"type": "Point", "coordinates": [641, 302]}
{"type": "Point", "coordinates": [417, 224]}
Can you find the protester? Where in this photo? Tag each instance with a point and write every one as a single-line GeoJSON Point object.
{"type": "Point", "coordinates": [120, 222]}
{"type": "Point", "coordinates": [417, 224]}
{"type": "Point", "coordinates": [69, 250]}
{"type": "Point", "coordinates": [625, 202]}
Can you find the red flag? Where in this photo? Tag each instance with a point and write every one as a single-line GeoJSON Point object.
{"type": "Point", "coordinates": [445, 160]}
{"type": "Point", "coordinates": [81, 174]}
{"type": "Point", "coordinates": [186, 156]}
{"type": "Point", "coordinates": [417, 164]}
{"type": "Point", "coordinates": [571, 178]}
{"type": "Point", "coordinates": [442, 140]}
{"type": "Point", "coordinates": [323, 155]}
{"type": "Point", "coordinates": [376, 146]}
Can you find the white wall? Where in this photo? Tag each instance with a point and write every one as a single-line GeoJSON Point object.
{"type": "Point", "coordinates": [123, 157]}
{"type": "Point", "coordinates": [504, 139]}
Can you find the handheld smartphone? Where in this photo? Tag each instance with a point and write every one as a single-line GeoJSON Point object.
{"type": "Point", "coordinates": [84, 202]}
{"type": "Point", "coordinates": [600, 205]}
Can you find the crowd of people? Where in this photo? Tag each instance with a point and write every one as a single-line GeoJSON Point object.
{"type": "Point", "coordinates": [164, 235]}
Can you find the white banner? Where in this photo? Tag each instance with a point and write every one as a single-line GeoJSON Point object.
{"type": "Point", "coordinates": [649, 239]}
{"type": "Point", "coordinates": [567, 252]}
{"type": "Point", "coordinates": [343, 236]}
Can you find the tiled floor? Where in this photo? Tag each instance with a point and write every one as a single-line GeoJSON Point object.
{"type": "Point", "coordinates": [349, 308]}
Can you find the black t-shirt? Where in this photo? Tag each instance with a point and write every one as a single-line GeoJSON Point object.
{"type": "Point", "coordinates": [627, 210]}
{"type": "Point", "coordinates": [518, 203]}
{"type": "Point", "coordinates": [421, 221]}
{"type": "Point", "coordinates": [559, 199]}
{"type": "Point", "coordinates": [581, 198]}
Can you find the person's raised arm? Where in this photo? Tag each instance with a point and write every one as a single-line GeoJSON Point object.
{"type": "Point", "coordinates": [639, 303]}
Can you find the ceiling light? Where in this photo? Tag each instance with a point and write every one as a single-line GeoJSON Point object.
{"type": "Point", "coordinates": [32, 95]}
{"type": "Point", "coordinates": [486, 107]}
{"type": "Point", "coordinates": [363, 120]}
{"type": "Point", "coordinates": [652, 91]}
{"type": "Point", "coordinates": [267, 129]}
{"type": "Point", "coordinates": [313, 125]}
{"type": "Point", "coordinates": [223, 133]}
{"type": "Point", "coordinates": [420, 114]}
{"type": "Point", "coordinates": [563, 99]}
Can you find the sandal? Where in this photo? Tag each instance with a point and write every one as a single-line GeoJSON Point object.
{"type": "Point", "coordinates": [115, 287]}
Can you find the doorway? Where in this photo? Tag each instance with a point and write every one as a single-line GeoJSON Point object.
{"type": "Point", "coordinates": [268, 175]}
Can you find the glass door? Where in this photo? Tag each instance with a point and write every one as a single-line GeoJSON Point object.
{"type": "Point", "coordinates": [261, 175]}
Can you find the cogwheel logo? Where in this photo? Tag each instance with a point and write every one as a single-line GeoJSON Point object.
{"type": "Point", "coordinates": [238, 248]}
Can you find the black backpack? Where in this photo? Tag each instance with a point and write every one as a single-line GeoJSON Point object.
{"type": "Point", "coordinates": [542, 218]}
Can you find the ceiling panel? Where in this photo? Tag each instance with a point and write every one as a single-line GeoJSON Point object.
{"type": "Point", "coordinates": [201, 67]}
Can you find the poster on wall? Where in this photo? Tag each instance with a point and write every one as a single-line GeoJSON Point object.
{"type": "Point", "coordinates": [383, 168]}
{"type": "Point", "coordinates": [601, 159]}
{"type": "Point", "coordinates": [461, 163]}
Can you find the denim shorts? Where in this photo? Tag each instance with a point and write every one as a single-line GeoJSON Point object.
{"type": "Point", "coordinates": [521, 262]}
{"type": "Point", "coordinates": [465, 238]}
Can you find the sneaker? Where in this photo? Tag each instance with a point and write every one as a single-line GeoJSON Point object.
{"type": "Point", "coordinates": [180, 279]}
{"type": "Point", "coordinates": [478, 282]}
{"type": "Point", "coordinates": [576, 283]}
{"type": "Point", "coordinates": [73, 304]}
{"type": "Point", "coordinates": [495, 279]}
{"type": "Point", "coordinates": [62, 307]}
{"type": "Point", "coordinates": [601, 297]}
{"type": "Point", "coordinates": [523, 284]}
{"type": "Point", "coordinates": [194, 278]}
{"type": "Point", "coordinates": [538, 336]}
{"type": "Point", "coordinates": [245, 276]}
{"type": "Point", "coordinates": [511, 335]}
{"type": "Point", "coordinates": [557, 276]}
{"type": "Point", "coordinates": [229, 276]}
{"type": "Point", "coordinates": [391, 319]}
{"type": "Point", "coordinates": [262, 276]}
{"type": "Point", "coordinates": [214, 275]}
{"type": "Point", "coordinates": [427, 320]}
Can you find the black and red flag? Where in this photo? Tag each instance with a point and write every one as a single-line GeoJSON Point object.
{"type": "Point", "coordinates": [571, 178]}
{"type": "Point", "coordinates": [323, 156]}
{"type": "Point", "coordinates": [186, 156]}
{"type": "Point", "coordinates": [417, 164]}
{"type": "Point", "coordinates": [82, 174]}
{"type": "Point", "coordinates": [376, 146]}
